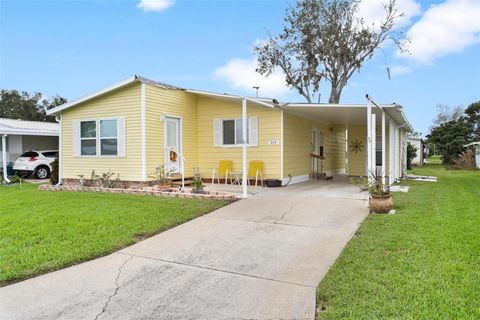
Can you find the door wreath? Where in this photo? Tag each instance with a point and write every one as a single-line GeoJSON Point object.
{"type": "Point", "coordinates": [173, 156]}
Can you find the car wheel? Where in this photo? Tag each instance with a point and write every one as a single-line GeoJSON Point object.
{"type": "Point", "coordinates": [42, 172]}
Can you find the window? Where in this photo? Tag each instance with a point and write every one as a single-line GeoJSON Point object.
{"type": "Point", "coordinates": [378, 150]}
{"type": "Point", "coordinates": [50, 154]}
{"type": "Point", "coordinates": [232, 132]}
{"type": "Point", "coordinates": [322, 146]}
{"type": "Point", "coordinates": [29, 154]}
{"type": "Point", "coordinates": [108, 137]}
{"type": "Point", "coordinates": [99, 137]}
{"type": "Point", "coordinates": [88, 138]}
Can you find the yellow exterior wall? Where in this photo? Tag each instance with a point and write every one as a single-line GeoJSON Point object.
{"type": "Point", "coordinates": [177, 103]}
{"type": "Point", "coordinates": [197, 114]}
{"type": "Point", "coordinates": [122, 102]}
{"type": "Point", "coordinates": [357, 161]}
{"type": "Point", "coordinates": [269, 126]}
{"type": "Point", "coordinates": [297, 146]}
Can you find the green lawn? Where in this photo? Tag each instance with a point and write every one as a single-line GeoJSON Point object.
{"type": "Point", "coordinates": [436, 159]}
{"type": "Point", "coordinates": [41, 231]}
{"type": "Point", "coordinates": [421, 263]}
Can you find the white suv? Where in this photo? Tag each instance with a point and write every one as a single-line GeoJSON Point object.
{"type": "Point", "coordinates": [36, 162]}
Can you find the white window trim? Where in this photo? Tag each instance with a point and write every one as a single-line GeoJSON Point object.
{"type": "Point", "coordinates": [235, 145]}
{"type": "Point", "coordinates": [90, 138]}
{"type": "Point", "coordinates": [99, 148]}
{"type": "Point", "coordinates": [97, 138]}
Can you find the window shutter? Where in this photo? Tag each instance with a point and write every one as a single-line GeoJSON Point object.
{"type": "Point", "coordinates": [253, 132]}
{"type": "Point", "coordinates": [121, 145]}
{"type": "Point", "coordinates": [76, 138]}
{"type": "Point", "coordinates": [217, 132]}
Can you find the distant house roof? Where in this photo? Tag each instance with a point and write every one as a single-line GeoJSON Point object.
{"type": "Point", "coordinates": [477, 143]}
{"type": "Point", "coordinates": [31, 128]}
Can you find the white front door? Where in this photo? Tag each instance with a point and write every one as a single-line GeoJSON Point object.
{"type": "Point", "coordinates": [173, 145]}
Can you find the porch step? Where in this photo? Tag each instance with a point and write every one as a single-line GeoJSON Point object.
{"type": "Point", "coordinates": [179, 183]}
{"type": "Point", "coordinates": [176, 180]}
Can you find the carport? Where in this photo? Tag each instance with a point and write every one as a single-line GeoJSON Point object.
{"type": "Point", "coordinates": [19, 136]}
{"type": "Point", "coordinates": [376, 134]}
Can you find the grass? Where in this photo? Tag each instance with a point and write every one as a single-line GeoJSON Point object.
{"type": "Point", "coordinates": [435, 159]}
{"type": "Point", "coordinates": [42, 231]}
{"type": "Point", "coordinates": [421, 263]}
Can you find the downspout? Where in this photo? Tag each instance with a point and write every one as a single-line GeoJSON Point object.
{"type": "Point", "coordinates": [59, 120]}
{"type": "Point", "coordinates": [4, 157]}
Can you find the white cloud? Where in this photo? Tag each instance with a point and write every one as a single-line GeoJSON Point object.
{"type": "Point", "coordinates": [155, 5]}
{"type": "Point", "coordinates": [399, 70]}
{"type": "Point", "coordinates": [241, 75]}
{"type": "Point", "coordinates": [373, 11]}
{"type": "Point", "coordinates": [446, 28]}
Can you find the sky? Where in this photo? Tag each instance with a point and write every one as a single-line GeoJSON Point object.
{"type": "Point", "coordinates": [72, 48]}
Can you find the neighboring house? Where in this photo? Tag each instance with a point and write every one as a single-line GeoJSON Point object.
{"type": "Point", "coordinates": [476, 148]}
{"type": "Point", "coordinates": [17, 136]}
{"type": "Point", "coordinates": [131, 127]}
{"type": "Point", "coordinates": [418, 143]}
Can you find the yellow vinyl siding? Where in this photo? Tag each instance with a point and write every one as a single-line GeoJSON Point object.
{"type": "Point", "coordinates": [297, 146]}
{"type": "Point", "coordinates": [121, 102]}
{"type": "Point", "coordinates": [357, 161]}
{"type": "Point", "coordinates": [177, 103]}
{"type": "Point", "coordinates": [268, 129]}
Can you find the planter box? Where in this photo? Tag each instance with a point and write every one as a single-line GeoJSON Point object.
{"type": "Point", "coordinates": [153, 191]}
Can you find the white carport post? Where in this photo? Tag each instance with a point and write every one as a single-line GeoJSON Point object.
{"type": "Point", "coordinates": [4, 157]}
{"type": "Point", "coordinates": [373, 150]}
{"type": "Point", "coordinates": [391, 174]}
{"type": "Point", "coordinates": [244, 148]}
{"type": "Point", "coordinates": [369, 138]}
{"type": "Point", "coordinates": [371, 141]}
{"type": "Point", "coordinates": [384, 146]}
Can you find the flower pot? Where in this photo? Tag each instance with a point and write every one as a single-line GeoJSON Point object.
{"type": "Point", "coordinates": [381, 204]}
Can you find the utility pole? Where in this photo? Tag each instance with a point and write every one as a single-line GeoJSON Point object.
{"type": "Point", "coordinates": [256, 90]}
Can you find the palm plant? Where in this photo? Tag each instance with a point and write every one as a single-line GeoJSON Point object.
{"type": "Point", "coordinates": [375, 186]}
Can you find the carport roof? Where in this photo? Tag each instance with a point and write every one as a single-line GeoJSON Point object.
{"type": "Point", "coordinates": [30, 128]}
{"type": "Point", "coordinates": [348, 114]}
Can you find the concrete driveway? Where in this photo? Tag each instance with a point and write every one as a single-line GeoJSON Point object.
{"type": "Point", "coordinates": [259, 258]}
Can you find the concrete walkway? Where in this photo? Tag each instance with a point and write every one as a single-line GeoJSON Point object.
{"type": "Point", "coordinates": [260, 258]}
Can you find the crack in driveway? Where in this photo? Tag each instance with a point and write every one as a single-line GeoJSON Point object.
{"type": "Point", "coordinates": [290, 210]}
{"type": "Point", "coordinates": [117, 287]}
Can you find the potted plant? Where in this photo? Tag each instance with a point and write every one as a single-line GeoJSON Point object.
{"type": "Point", "coordinates": [380, 196]}
{"type": "Point", "coordinates": [160, 178]}
{"type": "Point", "coordinates": [197, 184]}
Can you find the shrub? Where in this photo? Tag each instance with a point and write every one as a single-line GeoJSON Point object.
{"type": "Point", "coordinates": [54, 173]}
{"type": "Point", "coordinates": [160, 176]}
{"type": "Point", "coordinates": [106, 180]}
{"type": "Point", "coordinates": [411, 154]}
{"type": "Point", "coordinates": [465, 160]}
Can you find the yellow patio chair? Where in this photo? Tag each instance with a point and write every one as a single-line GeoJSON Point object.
{"type": "Point", "coordinates": [255, 170]}
{"type": "Point", "coordinates": [224, 169]}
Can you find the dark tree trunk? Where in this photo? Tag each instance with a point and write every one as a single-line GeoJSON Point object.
{"type": "Point", "coordinates": [334, 95]}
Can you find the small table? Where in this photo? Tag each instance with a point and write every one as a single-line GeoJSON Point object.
{"type": "Point", "coordinates": [236, 177]}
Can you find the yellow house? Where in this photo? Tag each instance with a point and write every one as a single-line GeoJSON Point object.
{"type": "Point", "coordinates": [132, 127]}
